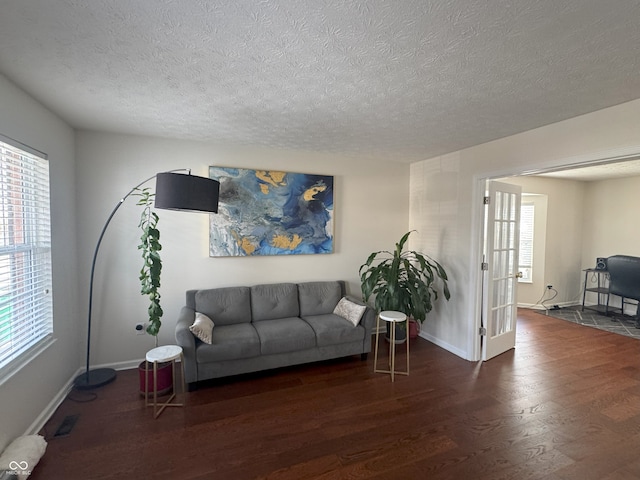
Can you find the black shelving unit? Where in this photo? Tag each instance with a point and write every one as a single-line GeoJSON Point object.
{"type": "Point", "coordinates": [601, 289]}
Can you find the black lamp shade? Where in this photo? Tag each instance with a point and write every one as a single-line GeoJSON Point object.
{"type": "Point", "coordinates": [176, 191]}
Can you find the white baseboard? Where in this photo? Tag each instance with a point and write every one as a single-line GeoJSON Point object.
{"type": "Point", "coordinates": [430, 338]}
{"type": "Point", "coordinates": [537, 306]}
{"type": "Point", "coordinates": [531, 306]}
{"type": "Point", "coordinates": [125, 365]}
{"type": "Point", "coordinates": [383, 329]}
{"type": "Point", "coordinates": [445, 345]}
{"type": "Point", "coordinates": [53, 405]}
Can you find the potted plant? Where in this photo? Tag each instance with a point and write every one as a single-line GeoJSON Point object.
{"type": "Point", "coordinates": [150, 247]}
{"type": "Point", "coordinates": [406, 282]}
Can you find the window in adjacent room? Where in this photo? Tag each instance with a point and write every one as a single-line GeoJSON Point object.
{"type": "Point", "coordinates": [525, 264]}
{"type": "Point", "coordinates": [26, 310]}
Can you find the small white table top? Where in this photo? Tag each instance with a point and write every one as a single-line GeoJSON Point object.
{"type": "Point", "coordinates": [166, 353]}
{"type": "Point", "coordinates": [391, 316]}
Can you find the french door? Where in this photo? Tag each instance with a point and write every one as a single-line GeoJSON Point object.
{"type": "Point", "coordinates": [500, 279]}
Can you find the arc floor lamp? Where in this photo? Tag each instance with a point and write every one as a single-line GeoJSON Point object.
{"type": "Point", "coordinates": [174, 191]}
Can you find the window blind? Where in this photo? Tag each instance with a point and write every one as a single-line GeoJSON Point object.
{"type": "Point", "coordinates": [527, 214]}
{"type": "Point", "coordinates": [26, 310]}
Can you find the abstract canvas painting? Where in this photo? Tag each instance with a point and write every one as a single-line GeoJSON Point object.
{"type": "Point", "coordinates": [266, 212]}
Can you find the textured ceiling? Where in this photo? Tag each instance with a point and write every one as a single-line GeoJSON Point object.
{"type": "Point", "coordinates": [401, 80]}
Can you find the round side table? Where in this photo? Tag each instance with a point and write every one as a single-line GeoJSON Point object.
{"type": "Point", "coordinates": [166, 353]}
{"type": "Point", "coordinates": [391, 318]}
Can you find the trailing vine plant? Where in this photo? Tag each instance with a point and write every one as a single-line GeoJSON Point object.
{"type": "Point", "coordinates": [152, 264]}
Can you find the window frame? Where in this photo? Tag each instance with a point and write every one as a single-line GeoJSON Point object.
{"type": "Point", "coordinates": [26, 268]}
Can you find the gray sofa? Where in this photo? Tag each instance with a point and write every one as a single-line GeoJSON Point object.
{"type": "Point", "coordinates": [269, 326]}
{"type": "Point", "coordinates": [624, 281]}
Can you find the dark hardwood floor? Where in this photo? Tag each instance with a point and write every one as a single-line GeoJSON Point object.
{"type": "Point", "coordinates": [565, 404]}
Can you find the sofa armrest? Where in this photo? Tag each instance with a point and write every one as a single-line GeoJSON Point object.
{"type": "Point", "coordinates": [187, 341]}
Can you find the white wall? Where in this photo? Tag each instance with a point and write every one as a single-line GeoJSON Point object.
{"type": "Point", "coordinates": [564, 238]}
{"type": "Point", "coordinates": [371, 213]}
{"type": "Point", "coordinates": [26, 394]}
{"type": "Point", "coordinates": [612, 219]}
{"type": "Point", "coordinates": [449, 219]}
{"type": "Point", "coordinates": [611, 225]}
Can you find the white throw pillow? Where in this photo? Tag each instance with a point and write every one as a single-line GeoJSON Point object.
{"type": "Point", "coordinates": [202, 327]}
{"type": "Point", "coordinates": [22, 455]}
{"type": "Point", "coordinates": [350, 310]}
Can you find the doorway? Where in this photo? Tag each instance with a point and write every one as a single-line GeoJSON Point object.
{"type": "Point", "coordinates": [572, 238]}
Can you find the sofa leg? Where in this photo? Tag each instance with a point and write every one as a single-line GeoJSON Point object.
{"type": "Point", "coordinates": [363, 356]}
{"type": "Point", "coordinates": [191, 387]}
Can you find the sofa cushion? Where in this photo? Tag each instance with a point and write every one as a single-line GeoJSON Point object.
{"type": "Point", "coordinates": [284, 335]}
{"type": "Point", "coordinates": [230, 342]}
{"type": "Point", "coordinates": [317, 298]}
{"type": "Point", "coordinates": [228, 306]}
{"type": "Point", "coordinates": [278, 300]}
{"type": "Point", "coordinates": [331, 329]}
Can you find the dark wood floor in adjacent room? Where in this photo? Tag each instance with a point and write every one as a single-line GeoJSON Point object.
{"type": "Point", "coordinates": [565, 404]}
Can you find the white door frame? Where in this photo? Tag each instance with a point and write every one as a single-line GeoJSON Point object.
{"type": "Point", "coordinates": [477, 222]}
{"type": "Point", "coordinates": [477, 251]}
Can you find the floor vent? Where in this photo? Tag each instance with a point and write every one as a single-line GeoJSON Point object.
{"type": "Point", "coordinates": [66, 426]}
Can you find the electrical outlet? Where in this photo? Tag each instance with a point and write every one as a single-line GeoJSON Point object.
{"type": "Point", "coordinates": [549, 287]}
{"type": "Point", "coordinates": [141, 329]}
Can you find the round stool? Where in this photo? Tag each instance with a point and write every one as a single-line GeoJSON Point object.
{"type": "Point", "coordinates": [391, 318]}
{"type": "Point", "coordinates": [166, 353]}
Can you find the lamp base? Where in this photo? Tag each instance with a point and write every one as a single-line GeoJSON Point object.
{"type": "Point", "coordinates": [94, 378]}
